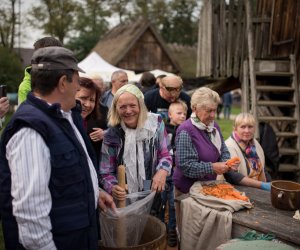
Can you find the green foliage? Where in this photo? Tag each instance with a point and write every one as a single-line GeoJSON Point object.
{"type": "Point", "coordinates": [176, 20]}
{"type": "Point", "coordinates": [11, 72]}
{"type": "Point", "coordinates": [55, 17]}
{"type": "Point", "coordinates": [91, 25]}
{"type": "Point", "coordinates": [8, 20]}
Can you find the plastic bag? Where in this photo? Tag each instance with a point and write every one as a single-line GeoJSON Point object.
{"type": "Point", "coordinates": [126, 226]}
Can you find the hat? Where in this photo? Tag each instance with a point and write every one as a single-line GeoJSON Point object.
{"type": "Point", "coordinates": [54, 58]}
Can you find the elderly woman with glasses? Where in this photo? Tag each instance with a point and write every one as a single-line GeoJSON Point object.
{"type": "Point", "coordinates": [136, 139]}
{"type": "Point", "coordinates": [201, 152]}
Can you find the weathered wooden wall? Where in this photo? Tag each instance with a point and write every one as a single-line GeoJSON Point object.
{"type": "Point", "coordinates": [147, 54]}
{"type": "Point", "coordinates": [222, 40]}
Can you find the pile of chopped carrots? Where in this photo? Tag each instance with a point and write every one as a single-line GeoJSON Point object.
{"type": "Point", "coordinates": [233, 161]}
{"type": "Point", "coordinates": [224, 191]}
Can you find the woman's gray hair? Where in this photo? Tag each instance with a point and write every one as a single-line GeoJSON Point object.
{"type": "Point", "coordinates": [113, 116]}
{"type": "Point", "coordinates": [203, 97]}
{"type": "Point", "coordinates": [244, 118]}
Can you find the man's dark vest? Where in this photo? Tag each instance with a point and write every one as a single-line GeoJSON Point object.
{"type": "Point", "coordinates": [70, 185]}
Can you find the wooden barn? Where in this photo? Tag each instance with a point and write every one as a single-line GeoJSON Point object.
{"type": "Point", "coordinates": [255, 44]}
{"type": "Point", "coordinates": [136, 46]}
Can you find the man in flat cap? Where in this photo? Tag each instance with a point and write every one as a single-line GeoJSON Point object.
{"type": "Point", "coordinates": [48, 180]}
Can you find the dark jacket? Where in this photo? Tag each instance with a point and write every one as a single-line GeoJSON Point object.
{"type": "Point", "coordinates": [70, 185]}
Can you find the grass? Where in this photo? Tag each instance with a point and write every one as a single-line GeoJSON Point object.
{"type": "Point", "coordinates": [227, 125]}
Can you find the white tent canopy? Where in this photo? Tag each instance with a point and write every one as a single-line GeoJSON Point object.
{"type": "Point", "coordinates": [155, 72]}
{"type": "Point", "coordinates": [94, 63]}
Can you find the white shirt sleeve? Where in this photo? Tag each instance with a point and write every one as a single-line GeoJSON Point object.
{"type": "Point", "coordinates": [29, 161]}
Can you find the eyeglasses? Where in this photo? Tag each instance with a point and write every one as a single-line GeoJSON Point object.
{"type": "Point", "coordinates": [172, 89]}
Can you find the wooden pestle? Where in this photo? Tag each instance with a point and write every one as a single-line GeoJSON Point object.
{"type": "Point", "coordinates": [121, 183]}
{"type": "Point", "coordinates": [121, 226]}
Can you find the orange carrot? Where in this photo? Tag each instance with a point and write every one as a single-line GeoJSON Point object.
{"type": "Point", "coordinates": [233, 161]}
{"type": "Point", "coordinates": [224, 191]}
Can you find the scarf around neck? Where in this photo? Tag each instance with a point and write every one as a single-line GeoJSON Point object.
{"type": "Point", "coordinates": [136, 141]}
{"type": "Point", "coordinates": [250, 154]}
{"type": "Point", "coordinates": [213, 133]}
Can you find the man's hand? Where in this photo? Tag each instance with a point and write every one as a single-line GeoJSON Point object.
{"type": "Point", "coordinates": [159, 180]}
{"type": "Point", "coordinates": [106, 201]}
{"type": "Point", "coordinates": [4, 106]}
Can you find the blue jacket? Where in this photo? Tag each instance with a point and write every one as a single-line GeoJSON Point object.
{"type": "Point", "coordinates": [70, 185]}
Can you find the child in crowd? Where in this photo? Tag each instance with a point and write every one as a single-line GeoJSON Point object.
{"type": "Point", "coordinates": [177, 114]}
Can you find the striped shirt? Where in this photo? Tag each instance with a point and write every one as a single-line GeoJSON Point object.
{"type": "Point", "coordinates": [29, 161]}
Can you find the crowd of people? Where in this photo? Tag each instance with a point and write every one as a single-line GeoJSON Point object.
{"type": "Point", "coordinates": [60, 151]}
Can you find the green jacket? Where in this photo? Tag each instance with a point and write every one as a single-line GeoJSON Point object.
{"type": "Point", "coordinates": [25, 86]}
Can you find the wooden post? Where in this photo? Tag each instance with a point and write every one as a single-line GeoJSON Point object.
{"type": "Point", "coordinates": [251, 65]}
{"type": "Point", "coordinates": [121, 224]}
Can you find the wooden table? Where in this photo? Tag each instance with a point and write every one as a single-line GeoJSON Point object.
{"type": "Point", "coordinates": [264, 218]}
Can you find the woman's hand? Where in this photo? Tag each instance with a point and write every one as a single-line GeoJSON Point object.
{"type": "Point", "coordinates": [220, 167]}
{"type": "Point", "coordinates": [105, 201]}
{"type": "Point", "coordinates": [118, 193]}
{"type": "Point", "coordinates": [234, 166]}
{"type": "Point", "coordinates": [97, 135]}
{"type": "Point", "coordinates": [159, 180]}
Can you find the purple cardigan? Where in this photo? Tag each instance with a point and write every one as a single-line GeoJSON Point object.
{"type": "Point", "coordinates": [207, 152]}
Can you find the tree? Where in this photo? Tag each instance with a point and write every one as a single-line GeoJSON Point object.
{"type": "Point", "coordinates": [176, 20]}
{"type": "Point", "coordinates": [120, 8]}
{"type": "Point", "coordinates": [11, 71]}
{"type": "Point", "coordinates": [91, 25]}
{"type": "Point", "coordinates": [55, 17]}
{"type": "Point", "coordinates": [184, 25]}
{"type": "Point", "coordinates": [8, 21]}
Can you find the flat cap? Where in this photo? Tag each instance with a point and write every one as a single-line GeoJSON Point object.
{"type": "Point", "coordinates": [54, 58]}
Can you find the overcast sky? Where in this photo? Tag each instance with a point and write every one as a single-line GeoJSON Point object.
{"type": "Point", "coordinates": [28, 34]}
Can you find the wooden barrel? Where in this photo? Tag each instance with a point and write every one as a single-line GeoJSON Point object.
{"type": "Point", "coordinates": [154, 237]}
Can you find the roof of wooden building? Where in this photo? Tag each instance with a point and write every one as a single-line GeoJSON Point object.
{"type": "Point", "coordinates": [136, 46]}
{"type": "Point", "coordinates": [186, 56]}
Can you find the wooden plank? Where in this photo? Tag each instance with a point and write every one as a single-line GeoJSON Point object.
{"type": "Point", "coordinates": [265, 218]}
{"type": "Point", "coordinates": [230, 40]}
{"type": "Point", "coordinates": [273, 88]}
{"type": "Point", "coordinates": [239, 40]}
{"type": "Point", "coordinates": [222, 38]}
{"type": "Point", "coordinates": [251, 64]}
{"type": "Point", "coordinates": [295, 84]}
{"type": "Point", "coordinates": [275, 103]}
{"type": "Point", "coordinates": [271, 28]}
{"type": "Point", "coordinates": [274, 74]}
{"type": "Point", "coordinates": [216, 48]}
{"type": "Point", "coordinates": [245, 88]}
{"type": "Point", "coordinates": [286, 134]}
{"type": "Point", "coordinates": [288, 168]}
{"type": "Point", "coordinates": [277, 118]}
{"type": "Point", "coordinates": [288, 151]}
